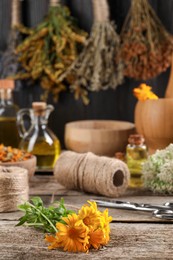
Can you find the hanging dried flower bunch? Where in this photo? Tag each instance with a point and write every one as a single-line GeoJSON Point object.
{"type": "Point", "coordinates": [9, 63]}
{"type": "Point", "coordinates": [50, 48]}
{"type": "Point", "coordinates": [95, 69]}
{"type": "Point", "coordinates": [146, 45]}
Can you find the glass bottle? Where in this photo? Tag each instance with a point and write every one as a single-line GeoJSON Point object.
{"type": "Point", "coordinates": [39, 139]}
{"type": "Point", "coordinates": [9, 135]}
{"type": "Point", "coordinates": [136, 155]}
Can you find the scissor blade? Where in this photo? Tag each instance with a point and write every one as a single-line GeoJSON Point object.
{"type": "Point", "coordinates": [116, 204]}
{"type": "Point", "coordinates": [130, 205]}
{"type": "Point", "coordinates": [163, 214]}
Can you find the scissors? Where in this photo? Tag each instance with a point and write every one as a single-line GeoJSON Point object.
{"type": "Point", "coordinates": [164, 211]}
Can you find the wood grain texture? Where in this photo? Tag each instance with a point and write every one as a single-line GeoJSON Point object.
{"type": "Point", "coordinates": [153, 119]}
{"type": "Point", "coordinates": [101, 137]}
{"type": "Point", "coordinates": [128, 241]}
{"type": "Point", "coordinates": [169, 88]}
{"type": "Point", "coordinates": [134, 235]}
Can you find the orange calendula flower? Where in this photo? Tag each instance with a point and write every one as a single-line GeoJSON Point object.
{"type": "Point", "coordinates": [90, 215]}
{"type": "Point", "coordinates": [106, 219]}
{"type": "Point", "coordinates": [71, 236]}
{"type": "Point", "coordinates": [143, 92]}
{"type": "Point", "coordinates": [96, 238]}
{"type": "Point", "coordinates": [98, 224]}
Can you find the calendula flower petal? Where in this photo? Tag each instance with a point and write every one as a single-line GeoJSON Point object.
{"type": "Point", "coordinates": [71, 236]}
{"type": "Point", "coordinates": [90, 215]}
{"type": "Point", "coordinates": [96, 238]}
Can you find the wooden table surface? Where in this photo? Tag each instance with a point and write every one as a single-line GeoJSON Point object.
{"type": "Point", "coordinates": [134, 235]}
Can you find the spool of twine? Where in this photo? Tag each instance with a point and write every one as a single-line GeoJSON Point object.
{"type": "Point", "coordinates": [91, 173]}
{"type": "Point", "coordinates": [16, 12]}
{"type": "Point", "coordinates": [14, 188]}
{"type": "Point", "coordinates": [100, 10]}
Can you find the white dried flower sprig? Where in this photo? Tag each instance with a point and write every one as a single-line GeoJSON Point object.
{"type": "Point", "coordinates": [158, 171]}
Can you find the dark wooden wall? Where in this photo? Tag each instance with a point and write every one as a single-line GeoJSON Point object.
{"type": "Point", "coordinates": [116, 104]}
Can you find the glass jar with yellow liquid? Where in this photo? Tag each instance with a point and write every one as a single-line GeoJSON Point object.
{"type": "Point", "coordinates": [9, 135]}
{"type": "Point", "coordinates": [136, 155]}
{"type": "Point", "coordinates": [39, 138]}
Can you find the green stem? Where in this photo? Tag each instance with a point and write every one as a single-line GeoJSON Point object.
{"type": "Point", "coordinates": [34, 224]}
{"type": "Point", "coordinates": [48, 220]}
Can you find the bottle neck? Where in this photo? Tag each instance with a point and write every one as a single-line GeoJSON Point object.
{"type": "Point", "coordinates": [6, 96]}
{"type": "Point", "coordinates": [40, 121]}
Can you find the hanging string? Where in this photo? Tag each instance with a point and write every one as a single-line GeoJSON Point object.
{"type": "Point", "coordinates": [16, 12]}
{"type": "Point", "coordinates": [54, 3]}
{"type": "Point", "coordinates": [100, 10]}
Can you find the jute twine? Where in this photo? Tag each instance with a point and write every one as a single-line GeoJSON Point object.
{"type": "Point", "coordinates": [100, 10]}
{"type": "Point", "coordinates": [91, 173]}
{"type": "Point", "coordinates": [14, 188]}
{"type": "Point", "coordinates": [16, 12]}
{"type": "Point", "coordinates": [54, 2]}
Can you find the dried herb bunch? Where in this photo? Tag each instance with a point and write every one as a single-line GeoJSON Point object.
{"type": "Point", "coordinates": [95, 69]}
{"type": "Point", "coordinates": [49, 49]}
{"type": "Point", "coordinates": [146, 45]}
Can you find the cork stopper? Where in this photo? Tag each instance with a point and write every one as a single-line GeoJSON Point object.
{"type": "Point", "coordinates": [136, 139]}
{"type": "Point", "coordinates": [7, 84]}
{"type": "Point", "coordinates": [120, 156]}
{"type": "Point", "coordinates": [39, 108]}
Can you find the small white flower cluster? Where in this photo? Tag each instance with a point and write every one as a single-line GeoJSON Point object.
{"type": "Point", "coordinates": [158, 171]}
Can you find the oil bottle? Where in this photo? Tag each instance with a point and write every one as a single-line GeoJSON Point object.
{"type": "Point", "coordinates": [39, 138]}
{"type": "Point", "coordinates": [9, 135]}
{"type": "Point", "coordinates": [136, 155]}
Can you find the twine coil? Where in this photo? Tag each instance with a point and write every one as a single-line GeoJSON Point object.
{"type": "Point", "coordinates": [91, 173]}
{"type": "Point", "coordinates": [14, 187]}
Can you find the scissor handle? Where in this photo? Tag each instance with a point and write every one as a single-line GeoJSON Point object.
{"type": "Point", "coordinates": [163, 214]}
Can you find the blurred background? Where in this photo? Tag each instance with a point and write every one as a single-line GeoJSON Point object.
{"type": "Point", "coordinates": [116, 104]}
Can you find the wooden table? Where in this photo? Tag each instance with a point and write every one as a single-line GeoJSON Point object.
{"type": "Point", "coordinates": [134, 235]}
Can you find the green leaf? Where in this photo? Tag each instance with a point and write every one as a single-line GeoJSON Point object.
{"type": "Point", "coordinates": [37, 201]}
{"type": "Point", "coordinates": [22, 220]}
{"type": "Point", "coordinates": [38, 216]}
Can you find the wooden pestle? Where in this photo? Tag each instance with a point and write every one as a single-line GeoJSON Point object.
{"type": "Point", "coordinates": [169, 89]}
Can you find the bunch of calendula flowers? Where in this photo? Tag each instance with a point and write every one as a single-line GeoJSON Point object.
{"type": "Point", "coordinates": [49, 49]}
{"type": "Point", "coordinates": [80, 232]}
{"type": "Point", "coordinates": [73, 232]}
{"type": "Point", "coordinates": [146, 46]}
